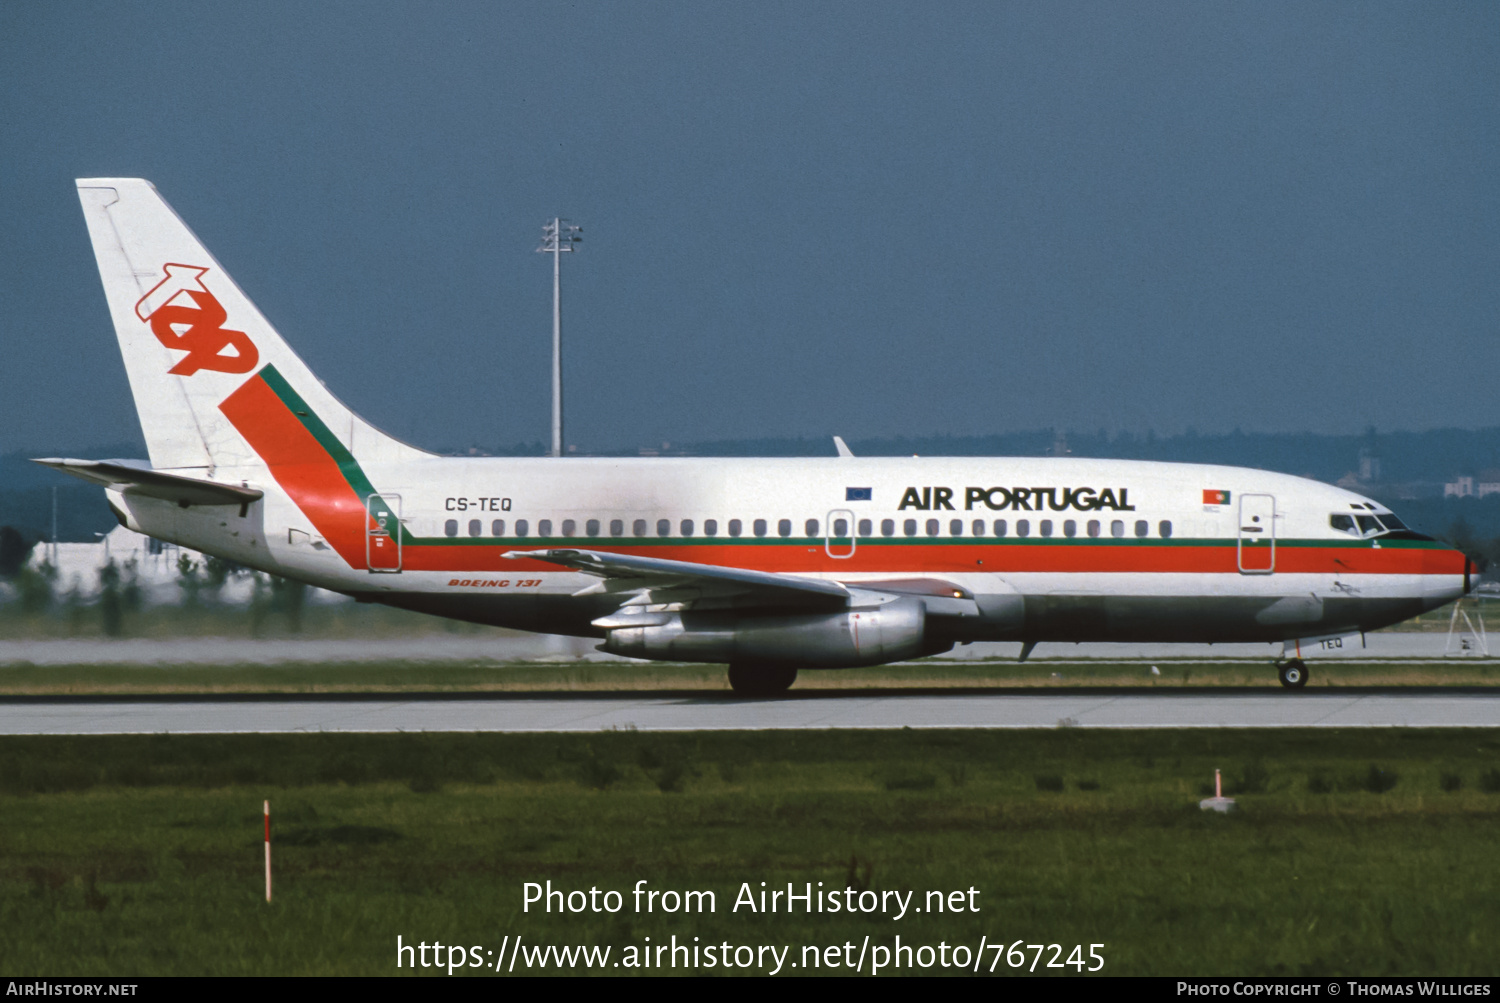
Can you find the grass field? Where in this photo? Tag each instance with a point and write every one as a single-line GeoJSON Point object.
{"type": "Point", "coordinates": [604, 677]}
{"type": "Point", "coordinates": [1368, 852]}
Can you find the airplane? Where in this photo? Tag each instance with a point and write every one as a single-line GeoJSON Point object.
{"type": "Point", "coordinates": [770, 566]}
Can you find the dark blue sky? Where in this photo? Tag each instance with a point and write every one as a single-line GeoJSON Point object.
{"type": "Point", "coordinates": [861, 218]}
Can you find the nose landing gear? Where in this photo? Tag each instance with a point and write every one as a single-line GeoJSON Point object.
{"type": "Point", "coordinates": [1292, 673]}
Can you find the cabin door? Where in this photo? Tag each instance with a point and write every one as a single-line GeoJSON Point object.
{"type": "Point", "coordinates": [383, 533]}
{"type": "Point", "coordinates": [1257, 534]}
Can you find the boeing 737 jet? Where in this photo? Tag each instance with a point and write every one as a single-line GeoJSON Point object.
{"type": "Point", "coordinates": [766, 565]}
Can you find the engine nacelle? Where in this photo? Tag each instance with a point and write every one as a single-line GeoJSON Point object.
{"type": "Point", "coordinates": [881, 633]}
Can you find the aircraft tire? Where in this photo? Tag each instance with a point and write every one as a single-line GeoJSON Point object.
{"type": "Point", "coordinates": [761, 680]}
{"type": "Point", "coordinates": [1293, 673]}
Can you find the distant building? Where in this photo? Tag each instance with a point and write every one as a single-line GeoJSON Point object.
{"type": "Point", "coordinates": [1459, 487]}
{"type": "Point", "coordinates": [153, 566]}
{"type": "Point", "coordinates": [1486, 484]}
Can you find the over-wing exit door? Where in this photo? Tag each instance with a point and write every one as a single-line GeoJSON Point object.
{"type": "Point", "coordinates": [1257, 547]}
{"type": "Point", "coordinates": [840, 541]}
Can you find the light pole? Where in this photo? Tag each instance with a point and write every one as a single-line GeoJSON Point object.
{"type": "Point", "coordinates": [556, 239]}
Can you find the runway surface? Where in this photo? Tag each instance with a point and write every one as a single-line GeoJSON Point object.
{"type": "Point", "coordinates": [1083, 709]}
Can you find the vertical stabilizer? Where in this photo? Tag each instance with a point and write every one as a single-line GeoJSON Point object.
{"type": "Point", "coordinates": [191, 338]}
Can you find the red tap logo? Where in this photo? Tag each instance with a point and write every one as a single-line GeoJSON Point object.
{"type": "Point", "coordinates": [186, 317]}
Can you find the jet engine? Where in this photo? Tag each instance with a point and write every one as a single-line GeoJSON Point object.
{"type": "Point", "coordinates": [888, 631]}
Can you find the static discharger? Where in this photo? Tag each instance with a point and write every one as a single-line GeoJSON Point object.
{"type": "Point", "coordinates": [1218, 803]}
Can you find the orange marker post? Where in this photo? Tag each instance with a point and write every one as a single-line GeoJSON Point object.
{"type": "Point", "coordinates": [268, 850]}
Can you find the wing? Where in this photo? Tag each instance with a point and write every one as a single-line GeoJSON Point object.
{"type": "Point", "coordinates": [660, 581]}
{"type": "Point", "coordinates": [650, 581]}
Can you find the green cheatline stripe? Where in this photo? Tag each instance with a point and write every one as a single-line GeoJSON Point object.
{"type": "Point", "coordinates": [353, 473]}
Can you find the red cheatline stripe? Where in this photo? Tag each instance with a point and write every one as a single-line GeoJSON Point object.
{"type": "Point", "coordinates": [951, 559]}
{"type": "Point", "coordinates": [300, 465]}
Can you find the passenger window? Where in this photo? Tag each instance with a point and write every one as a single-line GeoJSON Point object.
{"type": "Point", "coordinates": [887, 527]}
{"type": "Point", "coordinates": [909, 527]}
{"type": "Point", "coordinates": [783, 527]}
{"type": "Point", "coordinates": [569, 527]}
{"type": "Point", "coordinates": [638, 528]}
{"type": "Point", "coordinates": [734, 527]}
{"type": "Point", "coordinates": [978, 527]}
{"type": "Point", "coordinates": [759, 526]}
{"type": "Point", "coordinates": [812, 527]}
{"type": "Point", "coordinates": [1023, 527]}
{"type": "Point", "coordinates": [710, 527]}
{"type": "Point", "coordinates": [522, 527]}
{"type": "Point", "coordinates": [476, 528]}
{"type": "Point", "coordinates": [934, 527]}
{"type": "Point", "coordinates": [451, 527]}
{"type": "Point", "coordinates": [591, 528]}
{"type": "Point", "coordinates": [544, 527]}
{"type": "Point", "coordinates": [1070, 529]}
{"type": "Point", "coordinates": [617, 527]}
{"type": "Point", "coordinates": [1093, 527]}
{"type": "Point", "coordinates": [664, 527]}
{"type": "Point", "coordinates": [1164, 528]}
{"type": "Point", "coordinates": [1142, 527]}
{"type": "Point", "coordinates": [841, 527]}
{"type": "Point", "coordinates": [955, 527]}
{"type": "Point", "coordinates": [497, 528]}
{"type": "Point", "coordinates": [686, 527]}
{"type": "Point", "coordinates": [999, 527]}
{"type": "Point", "coordinates": [1046, 527]}
{"type": "Point", "coordinates": [1117, 528]}
{"type": "Point", "coordinates": [865, 528]}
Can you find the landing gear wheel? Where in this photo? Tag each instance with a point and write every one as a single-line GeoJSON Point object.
{"type": "Point", "coordinates": [761, 680]}
{"type": "Point", "coordinates": [1293, 673]}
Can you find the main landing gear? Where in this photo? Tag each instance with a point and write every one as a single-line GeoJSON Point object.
{"type": "Point", "coordinates": [1293, 673]}
{"type": "Point", "coordinates": [761, 680]}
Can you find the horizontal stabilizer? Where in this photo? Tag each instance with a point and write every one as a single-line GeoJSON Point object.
{"type": "Point", "coordinates": [142, 480]}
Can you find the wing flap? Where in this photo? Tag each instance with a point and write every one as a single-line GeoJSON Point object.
{"type": "Point", "coordinates": [681, 580]}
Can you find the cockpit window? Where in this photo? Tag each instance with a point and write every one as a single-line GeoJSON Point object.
{"type": "Point", "coordinates": [1383, 525]}
{"type": "Point", "coordinates": [1343, 523]}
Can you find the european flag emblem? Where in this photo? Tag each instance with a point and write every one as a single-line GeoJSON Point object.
{"type": "Point", "coordinates": [857, 494]}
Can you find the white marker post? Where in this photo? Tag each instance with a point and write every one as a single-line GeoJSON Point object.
{"type": "Point", "coordinates": [268, 851]}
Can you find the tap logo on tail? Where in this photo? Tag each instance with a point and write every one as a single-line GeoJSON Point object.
{"type": "Point", "coordinates": [186, 317]}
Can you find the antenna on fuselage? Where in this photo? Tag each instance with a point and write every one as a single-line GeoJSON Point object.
{"type": "Point", "coordinates": [557, 239]}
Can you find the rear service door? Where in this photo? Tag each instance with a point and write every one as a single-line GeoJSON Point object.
{"type": "Point", "coordinates": [1257, 534]}
{"type": "Point", "coordinates": [383, 533]}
